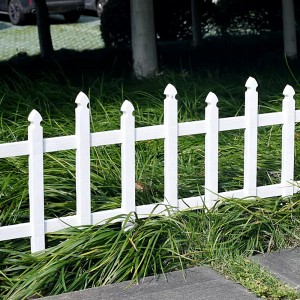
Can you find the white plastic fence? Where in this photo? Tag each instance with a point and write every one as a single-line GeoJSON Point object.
{"type": "Point", "coordinates": [127, 135]}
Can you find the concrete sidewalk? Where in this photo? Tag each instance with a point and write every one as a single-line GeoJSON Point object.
{"type": "Point", "coordinates": [199, 283]}
{"type": "Point", "coordinates": [284, 264]}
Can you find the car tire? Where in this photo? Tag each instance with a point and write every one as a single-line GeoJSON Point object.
{"type": "Point", "coordinates": [72, 16]}
{"type": "Point", "coordinates": [99, 7]}
{"type": "Point", "coordinates": [16, 16]}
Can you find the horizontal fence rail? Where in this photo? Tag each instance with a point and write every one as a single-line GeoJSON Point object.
{"type": "Point", "coordinates": [127, 136]}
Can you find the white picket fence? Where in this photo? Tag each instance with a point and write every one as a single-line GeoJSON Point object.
{"type": "Point", "coordinates": [127, 135]}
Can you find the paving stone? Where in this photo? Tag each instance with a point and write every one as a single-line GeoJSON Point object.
{"type": "Point", "coordinates": [83, 35]}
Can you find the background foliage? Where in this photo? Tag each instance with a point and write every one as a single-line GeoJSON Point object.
{"type": "Point", "coordinates": [173, 19]}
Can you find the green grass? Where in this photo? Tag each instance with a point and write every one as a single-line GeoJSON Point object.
{"type": "Point", "coordinates": [96, 255]}
{"type": "Point", "coordinates": [254, 278]}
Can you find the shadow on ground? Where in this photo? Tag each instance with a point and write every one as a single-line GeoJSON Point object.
{"type": "Point", "coordinates": [215, 57]}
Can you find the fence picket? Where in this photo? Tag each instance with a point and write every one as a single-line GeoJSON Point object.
{"type": "Point", "coordinates": [83, 177]}
{"type": "Point", "coordinates": [127, 135]}
{"type": "Point", "coordinates": [170, 147]}
{"type": "Point", "coordinates": [211, 149]}
{"type": "Point", "coordinates": [251, 122]}
{"type": "Point", "coordinates": [288, 141]}
{"type": "Point", "coordinates": [36, 182]}
{"type": "Point", "coordinates": [128, 158]}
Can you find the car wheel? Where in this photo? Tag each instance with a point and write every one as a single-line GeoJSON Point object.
{"type": "Point", "coordinates": [99, 7]}
{"type": "Point", "coordinates": [72, 16]}
{"type": "Point", "coordinates": [16, 16]}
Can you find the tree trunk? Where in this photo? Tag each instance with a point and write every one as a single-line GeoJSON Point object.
{"type": "Point", "coordinates": [43, 25]}
{"type": "Point", "coordinates": [289, 29]}
{"type": "Point", "coordinates": [143, 38]}
{"type": "Point", "coordinates": [196, 22]}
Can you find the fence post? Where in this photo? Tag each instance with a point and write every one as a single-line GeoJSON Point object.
{"type": "Point", "coordinates": [36, 182]}
{"type": "Point", "coordinates": [250, 154]}
{"type": "Point", "coordinates": [288, 141]}
{"type": "Point", "coordinates": [128, 158]}
{"type": "Point", "coordinates": [211, 149]}
{"type": "Point", "coordinates": [83, 177]}
{"type": "Point", "coordinates": [170, 147]}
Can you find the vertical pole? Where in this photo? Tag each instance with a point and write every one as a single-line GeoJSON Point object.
{"type": "Point", "coordinates": [288, 141]}
{"type": "Point", "coordinates": [211, 149]}
{"type": "Point", "coordinates": [289, 29]}
{"type": "Point", "coordinates": [250, 154]}
{"type": "Point", "coordinates": [170, 147]}
{"type": "Point", "coordinates": [128, 158]}
{"type": "Point", "coordinates": [36, 182]}
{"type": "Point", "coordinates": [196, 22]}
{"type": "Point", "coordinates": [83, 177]}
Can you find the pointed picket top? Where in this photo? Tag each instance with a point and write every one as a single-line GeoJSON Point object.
{"type": "Point", "coordinates": [288, 91]}
{"type": "Point", "coordinates": [127, 107]}
{"type": "Point", "coordinates": [82, 99]}
{"type": "Point", "coordinates": [170, 91]}
{"type": "Point", "coordinates": [251, 83]}
{"type": "Point", "coordinates": [35, 117]}
{"type": "Point", "coordinates": [211, 99]}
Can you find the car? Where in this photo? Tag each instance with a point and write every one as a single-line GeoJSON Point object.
{"type": "Point", "coordinates": [20, 10]}
{"type": "Point", "coordinates": [95, 6]}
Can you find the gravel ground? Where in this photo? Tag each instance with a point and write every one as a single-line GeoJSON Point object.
{"type": "Point", "coordinates": [83, 35]}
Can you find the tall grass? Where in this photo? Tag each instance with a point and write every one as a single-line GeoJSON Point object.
{"type": "Point", "coordinates": [97, 255]}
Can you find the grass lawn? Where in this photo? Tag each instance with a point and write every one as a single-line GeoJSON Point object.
{"type": "Point", "coordinates": [223, 238]}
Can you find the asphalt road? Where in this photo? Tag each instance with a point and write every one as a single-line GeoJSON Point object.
{"type": "Point", "coordinates": [20, 40]}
